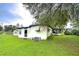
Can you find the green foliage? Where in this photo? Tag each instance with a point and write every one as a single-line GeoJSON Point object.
{"type": "Point", "coordinates": [60, 19]}
{"type": "Point", "coordinates": [72, 32]}
{"type": "Point", "coordinates": [68, 32]}
{"type": "Point", "coordinates": [49, 14]}
{"type": "Point", "coordinates": [50, 37]}
{"type": "Point", "coordinates": [9, 28]}
{"type": "Point", "coordinates": [55, 14]}
{"type": "Point", "coordinates": [75, 32]}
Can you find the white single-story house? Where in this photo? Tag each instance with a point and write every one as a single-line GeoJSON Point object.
{"type": "Point", "coordinates": [33, 32]}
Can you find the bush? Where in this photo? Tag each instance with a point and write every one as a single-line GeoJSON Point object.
{"type": "Point", "coordinates": [75, 32]}
{"type": "Point", "coordinates": [72, 32]}
{"type": "Point", "coordinates": [68, 32]}
{"type": "Point", "coordinates": [50, 37]}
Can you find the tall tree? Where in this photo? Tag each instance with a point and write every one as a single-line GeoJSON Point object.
{"type": "Point", "coordinates": [53, 14]}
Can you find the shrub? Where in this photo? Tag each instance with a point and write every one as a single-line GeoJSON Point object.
{"type": "Point", "coordinates": [50, 37]}
{"type": "Point", "coordinates": [75, 32]}
{"type": "Point", "coordinates": [68, 32]}
{"type": "Point", "coordinates": [71, 32]}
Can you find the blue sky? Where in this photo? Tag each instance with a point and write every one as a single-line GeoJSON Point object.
{"type": "Point", "coordinates": [13, 13]}
{"type": "Point", "coordinates": [5, 15]}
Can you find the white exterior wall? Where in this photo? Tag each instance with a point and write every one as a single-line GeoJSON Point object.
{"type": "Point", "coordinates": [31, 32]}
{"type": "Point", "coordinates": [50, 32]}
{"type": "Point", "coordinates": [22, 33]}
{"type": "Point", "coordinates": [15, 32]}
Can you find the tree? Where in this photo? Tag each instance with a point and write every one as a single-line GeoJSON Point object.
{"type": "Point", "coordinates": [1, 28]}
{"type": "Point", "coordinates": [9, 28]}
{"type": "Point", "coordinates": [54, 14]}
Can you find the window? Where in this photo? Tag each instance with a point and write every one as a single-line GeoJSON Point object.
{"type": "Point", "coordinates": [19, 32]}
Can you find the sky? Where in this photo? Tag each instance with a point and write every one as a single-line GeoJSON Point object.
{"type": "Point", "coordinates": [13, 13]}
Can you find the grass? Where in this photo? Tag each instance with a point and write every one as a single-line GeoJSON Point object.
{"type": "Point", "coordinates": [64, 45]}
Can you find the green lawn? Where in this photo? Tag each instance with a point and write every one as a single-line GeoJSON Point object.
{"type": "Point", "coordinates": [58, 45]}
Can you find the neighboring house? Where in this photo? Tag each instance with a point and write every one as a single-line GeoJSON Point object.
{"type": "Point", "coordinates": [33, 32]}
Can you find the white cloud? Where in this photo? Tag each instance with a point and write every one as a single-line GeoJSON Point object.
{"type": "Point", "coordinates": [26, 19]}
